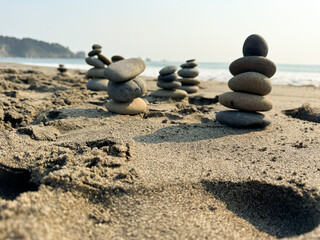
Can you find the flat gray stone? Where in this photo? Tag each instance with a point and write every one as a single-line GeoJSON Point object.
{"type": "Point", "coordinates": [245, 101]}
{"type": "Point", "coordinates": [188, 72]}
{"type": "Point", "coordinates": [94, 52]}
{"type": "Point", "coordinates": [168, 85]}
{"type": "Point", "coordinates": [98, 84]}
{"type": "Point", "coordinates": [189, 65]}
{"type": "Point", "coordinates": [134, 107]}
{"type": "Point", "coordinates": [190, 88]}
{"type": "Point", "coordinates": [126, 91]}
{"type": "Point", "coordinates": [125, 70]}
{"type": "Point", "coordinates": [238, 119]}
{"type": "Point", "coordinates": [189, 81]}
{"type": "Point", "coordinates": [95, 62]}
{"type": "Point", "coordinates": [177, 93]}
{"type": "Point", "coordinates": [253, 64]}
{"type": "Point", "coordinates": [168, 78]}
{"type": "Point", "coordinates": [96, 73]}
{"type": "Point", "coordinates": [255, 45]}
{"type": "Point", "coordinates": [168, 70]}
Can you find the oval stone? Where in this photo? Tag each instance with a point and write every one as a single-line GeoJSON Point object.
{"type": "Point", "coordinates": [126, 91]}
{"type": "Point", "coordinates": [240, 119]}
{"type": "Point", "coordinates": [96, 73]}
{"type": "Point", "coordinates": [189, 65]}
{"type": "Point", "coordinates": [94, 52]}
{"type": "Point", "coordinates": [255, 45]}
{"type": "Point", "coordinates": [134, 107]}
{"type": "Point", "coordinates": [168, 78]}
{"type": "Point", "coordinates": [96, 46]}
{"type": "Point", "coordinates": [177, 93]}
{"type": "Point", "coordinates": [116, 58]}
{"type": "Point", "coordinates": [245, 101]}
{"type": "Point", "coordinates": [188, 72]}
{"type": "Point", "coordinates": [190, 60]}
{"type": "Point", "coordinates": [104, 59]}
{"type": "Point", "coordinates": [251, 82]}
{"type": "Point", "coordinates": [95, 62]}
{"type": "Point", "coordinates": [125, 70]}
{"type": "Point", "coordinates": [98, 84]}
{"type": "Point", "coordinates": [190, 88]}
{"type": "Point", "coordinates": [169, 85]}
{"type": "Point", "coordinates": [168, 70]}
{"type": "Point", "coordinates": [253, 64]}
{"type": "Point", "coordinates": [189, 81]}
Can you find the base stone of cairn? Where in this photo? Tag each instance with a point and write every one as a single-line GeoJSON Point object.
{"type": "Point", "coordinates": [189, 73]}
{"type": "Point", "coordinates": [125, 87]}
{"type": "Point", "coordinates": [250, 84]}
{"type": "Point", "coordinates": [167, 80]}
{"type": "Point", "coordinates": [97, 81]}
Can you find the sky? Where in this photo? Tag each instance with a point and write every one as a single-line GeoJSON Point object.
{"type": "Point", "coordinates": [173, 30]}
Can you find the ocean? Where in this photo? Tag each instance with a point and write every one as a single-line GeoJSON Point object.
{"type": "Point", "coordinates": [287, 74]}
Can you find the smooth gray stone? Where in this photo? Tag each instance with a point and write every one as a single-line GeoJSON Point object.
{"type": "Point", "coordinates": [189, 88]}
{"type": "Point", "coordinates": [168, 78]}
{"type": "Point", "coordinates": [189, 65]}
{"type": "Point", "coordinates": [253, 64]}
{"type": "Point", "coordinates": [126, 91]}
{"type": "Point", "coordinates": [189, 81]}
{"type": "Point", "coordinates": [240, 119]}
{"type": "Point", "coordinates": [168, 70]}
{"type": "Point", "coordinates": [125, 70]}
{"type": "Point", "coordinates": [96, 73]}
{"type": "Point", "coordinates": [177, 93]}
{"type": "Point", "coordinates": [169, 85]}
{"type": "Point", "coordinates": [94, 52]}
{"type": "Point", "coordinates": [255, 45]}
{"type": "Point", "coordinates": [188, 72]}
{"type": "Point", "coordinates": [98, 84]}
{"type": "Point", "coordinates": [96, 46]}
{"type": "Point", "coordinates": [117, 58]}
{"type": "Point", "coordinates": [95, 62]}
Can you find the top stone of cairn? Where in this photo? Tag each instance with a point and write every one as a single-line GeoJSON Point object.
{"type": "Point", "coordinates": [255, 45]}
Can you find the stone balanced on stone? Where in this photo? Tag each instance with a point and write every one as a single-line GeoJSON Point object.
{"type": "Point", "coordinates": [125, 86]}
{"type": "Point", "coordinates": [189, 73]}
{"type": "Point", "coordinates": [117, 58]}
{"type": "Point", "coordinates": [62, 70]}
{"type": "Point", "coordinates": [98, 81]}
{"type": "Point", "coordinates": [250, 84]}
{"type": "Point", "coordinates": [167, 80]}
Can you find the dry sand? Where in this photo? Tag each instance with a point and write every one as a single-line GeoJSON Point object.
{"type": "Point", "coordinates": [69, 169]}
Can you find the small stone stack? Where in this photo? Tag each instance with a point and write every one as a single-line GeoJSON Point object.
{"type": "Point", "coordinates": [250, 85]}
{"type": "Point", "coordinates": [189, 73]}
{"type": "Point", "coordinates": [96, 74]}
{"type": "Point", "coordinates": [116, 58]}
{"type": "Point", "coordinates": [62, 70]}
{"type": "Point", "coordinates": [125, 87]}
{"type": "Point", "coordinates": [167, 80]}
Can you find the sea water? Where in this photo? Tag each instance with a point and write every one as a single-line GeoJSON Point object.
{"type": "Point", "coordinates": [287, 74]}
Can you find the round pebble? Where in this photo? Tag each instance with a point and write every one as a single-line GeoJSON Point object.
{"type": "Point", "coordinates": [168, 78]}
{"type": "Point", "coordinates": [251, 82]}
{"type": "Point", "coordinates": [116, 58]}
{"type": "Point", "coordinates": [168, 70]}
{"type": "Point", "coordinates": [189, 81]}
{"type": "Point", "coordinates": [188, 72]}
{"type": "Point", "coordinates": [177, 93]}
{"type": "Point", "coordinates": [134, 107]}
{"type": "Point", "coordinates": [94, 52]}
{"type": "Point", "coordinates": [96, 73]}
{"type": "Point", "coordinates": [240, 119]}
{"type": "Point", "coordinates": [253, 64]}
{"type": "Point", "coordinates": [169, 85]}
{"type": "Point", "coordinates": [95, 62]}
{"type": "Point", "coordinates": [125, 70]}
{"type": "Point", "coordinates": [189, 65]}
{"type": "Point", "coordinates": [245, 101]}
{"type": "Point", "coordinates": [255, 45]}
{"type": "Point", "coordinates": [104, 59]}
{"type": "Point", "coordinates": [98, 84]}
{"type": "Point", "coordinates": [126, 91]}
{"type": "Point", "coordinates": [190, 88]}
{"type": "Point", "coordinates": [96, 46]}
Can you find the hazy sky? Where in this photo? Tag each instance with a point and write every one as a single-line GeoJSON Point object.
{"type": "Point", "coordinates": [208, 30]}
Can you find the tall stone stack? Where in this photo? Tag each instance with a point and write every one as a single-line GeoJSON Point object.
{"type": "Point", "coordinates": [62, 70]}
{"type": "Point", "coordinates": [167, 80]}
{"type": "Point", "coordinates": [250, 85]}
{"type": "Point", "coordinates": [125, 86]}
{"type": "Point", "coordinates": [97, 80]}
{"type": "Point", "coordinates": [189, 73]}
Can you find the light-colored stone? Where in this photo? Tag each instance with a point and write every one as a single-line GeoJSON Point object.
{"type": "Point", "coordinates": [189, 81]}
{"type": "Point", "coordinates": [190, 88]}
{"type": "Point", "coordinates": [169, 85]}
{"type": "Point", "coordinates": [125, 70]}
{"type": "Point", "coordinates": [245, 101]}
{"type": "Point", "coordinates": [168, 70]}
{"type": "Point", "coordinates": [96, 73]}
{"type": "Point", "coordinates": [240, 119]}
{"type": "Point", "coordinates": [98, 84]}
{"type": "Point", "coordinates": [177, 93]}
{"type": "Point", "coordinates": [127, 91]}
{"type": "Point", "coordinates": [95, 62]}
{"type": "Point", "coordinates": [251, 82]}
{"type": "Point", "coordinates": [188, 72]}
{"type": "Point", "coordinates": [134, 107]}
{"type": "Point", "coordinates": [168, 78]}
{"type": "Point", "coordinates": [253, 64]}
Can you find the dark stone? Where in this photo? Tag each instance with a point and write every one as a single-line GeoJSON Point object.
{"type": "Point", "coordinates": [169, 77]}
{"type": "Point", "coordinates": [255, 45]}
{"type": "Point", "coordinates": [190, 60]}
{"type": "Point", "coordinates": [94, 52]}
{"type": "Point", "coordinates": [169, 85]}
{"type": "Point", "coordinates": [117, 58]}
{"type": "Point", "coordinates": [168, 70]}
{"type": "Point", "coordinates": [189, 65]}
{"type": "Point", "coordinates": [96, 46]}
{"type": "Point", "coordinates": [188, 72]}
{"type": "Point", "coordinates": [104, 59]}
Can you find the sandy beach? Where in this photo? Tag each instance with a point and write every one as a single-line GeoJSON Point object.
{"type": "Point", "coordinates": [69, 169]}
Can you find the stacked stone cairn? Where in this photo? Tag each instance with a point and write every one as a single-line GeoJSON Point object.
{"type": "Point", "coordinates": [97, 81]}
{"type": "Point", "coordinates": [117, 58]}
{"type": "Point", "coordinates": [250, 85]}
{"type": "Point", "coordinates": [189, 73]}
{"type": "Point", "coordinates": [62, 70]}
{"type": "Point", "coordinates": [125, 86]}
{"type": "Point", "coordinates": [167, 80]}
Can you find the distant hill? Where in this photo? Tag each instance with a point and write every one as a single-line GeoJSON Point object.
{"type": "Point", "coordinates": [30, 48]}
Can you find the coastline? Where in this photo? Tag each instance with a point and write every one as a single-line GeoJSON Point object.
{"type": "Point", "coordinates": [174, 172]}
